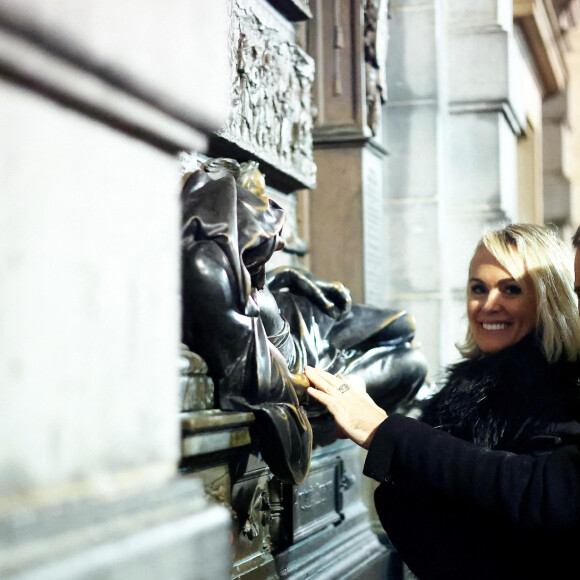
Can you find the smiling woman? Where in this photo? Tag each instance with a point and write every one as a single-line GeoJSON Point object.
{"type": "Point", "coordinates": [520, 278]}
{"type": "Point", "coordinates": [501, 310]}
{"type": "Point", "coordinates": [487, 483]}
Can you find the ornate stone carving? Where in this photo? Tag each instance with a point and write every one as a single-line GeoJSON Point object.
{"type": "Point", "coordinates": [258, 519]}
{"type": "Point", "coordinates": [338, 46]}
{"type": "Point", "coordinates": [293, 9]}
{"type": "Point", "coordinates": [219, 489]}
{"type": "Point", "coordinates": [375, 40]}
{"type": "Point", "coordinates": [271, 95]}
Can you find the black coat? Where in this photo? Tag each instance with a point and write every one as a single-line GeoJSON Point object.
{"type": "Point", "coordinates": [505, 507]}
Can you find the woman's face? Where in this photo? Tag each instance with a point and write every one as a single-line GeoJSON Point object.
{"type": "Point", "coordinates": [501, 311]}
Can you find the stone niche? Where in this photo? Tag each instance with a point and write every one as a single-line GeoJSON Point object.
{"type": "Point", "coordinates": [321, 527]}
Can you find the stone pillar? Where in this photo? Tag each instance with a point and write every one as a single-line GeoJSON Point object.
{"type": "Point", "coordinates": [573, 61]}
{"type": "Point", "coordinates": [558, 166]}
{"type": "Point", "coordinates": [346, 219]}
{"type": "Point", "coordinates": [95, 103]}
{"type": "Point", "coordinates": [319, 528]}
{"type": "Point", "coordinates": [413, 136]}
{"type": "Point", "coordinates": [483, 70]}
{"type": "Point", "coordinates": [452, 121]}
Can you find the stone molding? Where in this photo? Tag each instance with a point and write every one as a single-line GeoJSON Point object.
{"type": "Point", "coordinates": [295, 10]}
{"type": "Point", "coordinates": [350, 86]}
{"type": "Point", "coordinates": [139, 536]}
{"type": "Point", "coordinates": [539, 23]}
{"type": "Point", "coordinates": [503, 106]}
{"type": "Point", "coordinates": [481, 74]}
{"type": "Point", "coordinates": [48, 62]}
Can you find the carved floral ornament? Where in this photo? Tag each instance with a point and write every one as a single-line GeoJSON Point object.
{"type": "Point", "coordinates": [271, 95]}
{"type": "Point", "coordinates": [375, 48]}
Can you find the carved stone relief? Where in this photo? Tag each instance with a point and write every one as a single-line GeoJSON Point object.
{"type": "Point", "coordinates": [375, 41]}
{"type": "Point", "coordinates": [293, 9]}
{"type": "Point", "coordinates": [271, 113]}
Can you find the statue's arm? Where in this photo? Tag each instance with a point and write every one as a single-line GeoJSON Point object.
{"type": "Point", "coordinates": [331, 297]}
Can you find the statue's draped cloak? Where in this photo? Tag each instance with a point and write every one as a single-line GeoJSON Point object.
{"type": "Point", "coordinates": [228, 234]}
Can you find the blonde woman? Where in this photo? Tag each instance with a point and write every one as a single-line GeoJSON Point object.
{"type": "Point", "coordinates": [487, 484]}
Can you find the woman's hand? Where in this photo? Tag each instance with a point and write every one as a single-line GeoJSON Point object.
{"type": "Point", "coordinates": [354, 411]}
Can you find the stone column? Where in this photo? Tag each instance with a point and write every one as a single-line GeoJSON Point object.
{"type": "Point", "coordinates": [346, 219]}
{"type": "Point", "coordinates": [573, 61]}
{"type": "Point", "coordinates": [96, 101]}
{"type": "Point", "coordinates": [413, 136]}
{"type": "Point", "coordinates": [558, 165]}
{"type": "Point", "coordinates": [452, 120]}
{"type": "Point", "coordinates": [486, 114]}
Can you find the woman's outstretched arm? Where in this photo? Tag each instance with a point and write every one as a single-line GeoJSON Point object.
{"type": "Point", "coordinates": [355, 412]}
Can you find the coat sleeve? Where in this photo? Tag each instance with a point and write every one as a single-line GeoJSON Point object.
{"type": "Point", "coordinates": [538, 492]}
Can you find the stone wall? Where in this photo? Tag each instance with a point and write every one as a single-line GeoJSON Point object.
{"type": "Point", "coordinates": [96, 101]}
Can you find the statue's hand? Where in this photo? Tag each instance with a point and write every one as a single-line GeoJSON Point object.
{"type": "Point", "coordinates": [269, 311]}
{"type": "Point", "coordinates": [337, 294]}
{"type": "Point", "coordinates": [333, 298]}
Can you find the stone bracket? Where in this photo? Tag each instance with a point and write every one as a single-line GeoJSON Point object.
{"type": "Point", "coordinates": [539, 24]}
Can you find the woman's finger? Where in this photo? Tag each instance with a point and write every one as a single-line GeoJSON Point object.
{"type": "Point", "coordinates": [320, 379]}
{"type": "Point", "coordinates": [318, 395]}
{"type": "Point", "coordinates": [323, 398]}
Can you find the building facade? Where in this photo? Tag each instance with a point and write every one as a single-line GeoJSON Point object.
{"type": "Point", "coordinates": [391, 132]}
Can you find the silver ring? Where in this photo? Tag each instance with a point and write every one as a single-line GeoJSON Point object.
{"type": "Point", "coordinates": [343, 388]}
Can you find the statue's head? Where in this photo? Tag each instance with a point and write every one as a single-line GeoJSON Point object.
{"type": "Point", "coordinates": [260, 222]}
{"type": "Point", "coordinates": [212, 200]}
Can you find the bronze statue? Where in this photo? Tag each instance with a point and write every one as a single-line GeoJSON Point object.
{"type": "Point", "coordinates": [257, 330]}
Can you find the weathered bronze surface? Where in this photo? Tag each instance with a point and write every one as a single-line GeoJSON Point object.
{"type": "Point", "coordinates": [228, 314]}
{"type": "Point", "coordinates": [331, 333]}
{"type": "Point", "coordinates": [256, 332]}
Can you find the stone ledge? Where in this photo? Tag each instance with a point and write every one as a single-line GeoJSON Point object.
{"type": "Point", "coordinates": [169, 530]}
{"type": "Point", "coordinates": [213, 430]}
{"type": "Point", "coordinates": [483, 63]}
{"type": "Point", "coordinates": [505, 107]}
{"type": "Point", "coordinates": [46, 62]}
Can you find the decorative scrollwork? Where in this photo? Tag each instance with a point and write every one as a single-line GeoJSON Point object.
{"type": "Point", "coordinates": [259, 516]}
{"type": "Point", "coordinates": [271, 95]}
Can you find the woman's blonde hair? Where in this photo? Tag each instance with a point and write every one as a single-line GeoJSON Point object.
{"type": "Point", "coordinates": [536, 250]}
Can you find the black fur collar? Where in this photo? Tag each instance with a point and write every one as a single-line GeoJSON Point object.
{"type": "Point", "coordinates": [502, 400]}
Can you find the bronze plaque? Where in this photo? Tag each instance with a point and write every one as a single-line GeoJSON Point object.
{"type": "Point", "coordinates": [316, 501]}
